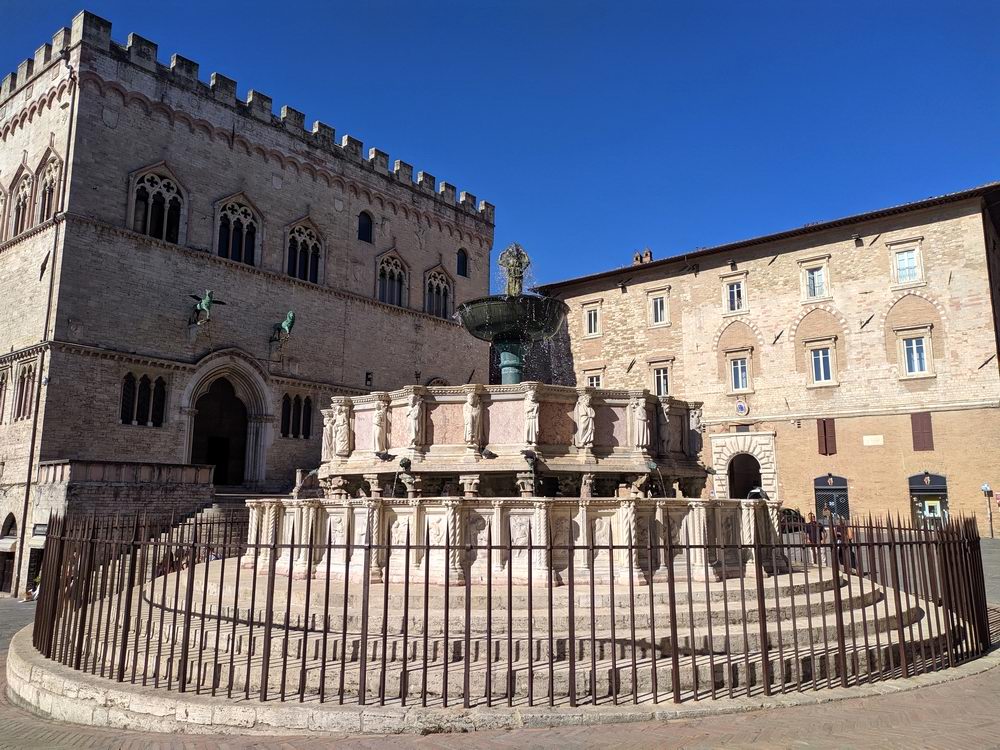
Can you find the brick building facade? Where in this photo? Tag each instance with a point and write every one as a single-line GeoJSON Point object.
{"type": "Point", "coordinates": [847, 365]}
{"type": "Point", "coordinates": [127, 189]}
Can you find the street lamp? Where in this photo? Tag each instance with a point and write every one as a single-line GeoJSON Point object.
{"type": "Point", "coordinates": [988, 493]}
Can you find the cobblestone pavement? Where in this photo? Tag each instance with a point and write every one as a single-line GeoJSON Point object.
{"type": "Point", "coordinates": [958, 714]}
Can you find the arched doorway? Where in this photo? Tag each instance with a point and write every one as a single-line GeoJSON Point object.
{"type": "Point", "coordinates": [744, 475]}
{"type": "Point", "coordinates": [8, 546]}
{"type": "Point", "coordinates": [220, 433]}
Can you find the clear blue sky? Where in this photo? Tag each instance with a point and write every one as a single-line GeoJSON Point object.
{"type": "Point", "coordinates": [601, 127]}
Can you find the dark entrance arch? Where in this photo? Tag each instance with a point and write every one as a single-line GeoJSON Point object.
{"type": "Point", "coordinates": [220, 433]}
{"type": "Point", "coordinates": [744, 475]}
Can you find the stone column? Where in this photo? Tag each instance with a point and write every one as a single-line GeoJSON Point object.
{"type": "Point", "coordinates": [256, 509]}
{"type": "Point", "coordinates": [694, 531]}
{"type": "Point", "coordinates": [498, 535]}
{"type": "Point", "coordinates": [419, 528]}
{"type": "Point", "coordinates": [526, 483]}
{"type": "Point", "coordinates": [291, 531]}
{"type": "Point", "coordinates": [583, 524]}
{"type": "Point", "coordinates": [540, 530]}
{"type": "Point", "coordinates": [748, 532]}
{"type": "Point", "coordinates": [374, 523]}
{"type": "Point", "coordinates": [630, 536]}
{"type": "Point", "coordinates": [659, 542]}
{"type": "Point", "coordinates": [453, 521]}
{"type": "Point", "coordinates": [470, 485]}
{"type": "Point", "coordinates": [309, 512]}
{"type": "Point", "coordinates": [270, 531]}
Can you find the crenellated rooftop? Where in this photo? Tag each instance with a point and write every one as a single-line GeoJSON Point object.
{"type": "Point", "coordinates": [95, 32]}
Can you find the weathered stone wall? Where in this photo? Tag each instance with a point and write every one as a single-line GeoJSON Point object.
{"type": "Point", "coordinates": [862, 309]}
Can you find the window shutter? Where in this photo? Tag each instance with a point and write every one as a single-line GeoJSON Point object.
{"type": "Point", "coordinates": [923, 431]}
{"type": "Point", "coordinates": [826, 433]}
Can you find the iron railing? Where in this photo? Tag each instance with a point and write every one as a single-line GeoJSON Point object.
{"type": "Point", "coordinates": [195, 607]}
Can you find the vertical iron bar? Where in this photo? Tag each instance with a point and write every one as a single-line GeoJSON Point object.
{"type": "Point", "coordinates": [675, 664]}
{"type": "Point", "coordinates": [265, 652]}
{"type": "Point", "coordinates": [765, 658]}
{"type": "Point", "coordinates": [835, 550]}
{"type": "Point", "coordinates": [326, 611]}
{"type": "Point", "coordinates": [654, 647]}
{"type": "Point", "coordinates": [365, 591]}
{"type": "Point", "coordinates": [182, 667]}
{"type": "Point", "coordinates": [127, 616]}
{"type": "Point", "coordinates": [404, 676]}
{"type": "Point", "coordinates": [552, 674]}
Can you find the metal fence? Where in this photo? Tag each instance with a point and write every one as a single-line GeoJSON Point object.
{"type": "Point", "coordinates": [194, 607]}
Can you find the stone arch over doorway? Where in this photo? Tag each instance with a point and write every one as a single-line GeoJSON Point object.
{"type": "Point", "coordinates": [758, 445]}
{"type": "Point", "coordinates": [247, 384]}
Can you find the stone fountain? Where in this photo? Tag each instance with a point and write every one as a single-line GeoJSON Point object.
{"type": "Point", "coordinates": [458, 466]}
{"type": "Point", "coordinates": [513, 320]}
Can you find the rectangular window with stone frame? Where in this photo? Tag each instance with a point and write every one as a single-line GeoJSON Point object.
{"type": "Point", "coordinates": [815, 274]}
{"type": "Point", "coordinates": [915, 351]}
{"type": "Point", "coordinates": [592, 319]}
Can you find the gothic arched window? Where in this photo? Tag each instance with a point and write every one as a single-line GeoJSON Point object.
{"type": "Point", "coordinates": [238, 228]}
{"type": "Point", "coordinates": [47, 190]}
{"type": "Point", "coordinates": [286, 416]}
{"type": "Point", "coordinates": [365, 227]}
{"type": "Point", "coordinates": [437, 295]}
{"type": "Point", "coordinates": [304, 251]}
{"type": "Point", "coordinates": [156, 211]}
{"type": "Point", "coordinates": [20, 207]}
{"type": "Point", "coordinates": [23, 391]}
{"type": "Point", "coordinates": [392, 281]}
{"type": "Point", "coordinates": [143, 400]}
{"type": "Point", "coordinates": [296, 417]}
{"type": "Point", "coordinates": [3, 393]}
{"type": "Point", "coordinates": [307, 414]}
{"type": "Point", "coordinates": [462, 262]}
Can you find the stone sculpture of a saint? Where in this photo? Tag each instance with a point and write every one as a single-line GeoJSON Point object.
{"type": "Point", "coordinates": [584, 421]}
{"type": "Point", "coordinates": [342, 431]}
{"type": "Point", "coordinates": [380, 427]}
{"type": "Point", "coordinates": [472, 412]}
{"type": "Point", "coordinates": [415, 420]}
{"type": "Point", "coordinates": [640, 417]}
{"type": "Point", "coordinates": [531, 409]}
{"type": "Point", "coordinates": [328, 436]}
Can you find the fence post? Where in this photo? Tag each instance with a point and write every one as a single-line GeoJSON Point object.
{"type": "Point", "coordinates": [182, 668]}
{"type": "Point", "coordinates": [765, 659]}
{"type": "Point", "coordinates": [129, 584]}
{"type": "Point", "coordinates": [675, 660]}
{"type": "Point", "coordinates": [835, 549]}
{"type": "Point", "coordinates": [901, 633]}
{"type": "Point", "coordinates": [55, 586]}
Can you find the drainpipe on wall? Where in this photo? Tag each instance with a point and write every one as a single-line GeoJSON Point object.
{"type": "Point", "coordinates": [59, 217]}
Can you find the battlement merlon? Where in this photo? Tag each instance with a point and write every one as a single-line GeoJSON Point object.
{"type": "Point", "coordinates": [95, 32]}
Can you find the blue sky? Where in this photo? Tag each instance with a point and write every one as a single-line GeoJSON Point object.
{"type": "Point", "coordinates": [601, 127]}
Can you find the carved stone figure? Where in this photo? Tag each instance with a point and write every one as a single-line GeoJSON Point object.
{"type": "Point", "coordinates": [380, 427]}
{"type": "Point", "coordinates": [415, 421]}
{"type": "Point", "coordinates": [397, 536]}
{"type": "Point", "coordinates": [531, 409]}
{"type": "Point", "coordinates": [602, 532]}
{"type": "Point", "coordinates": [640, 418]}
{"type": "Point", "coordinates": [584, 422]}
{"type": "Point", "coordinates": [342, 431]}
{"type": "Point", "coordinates": [519, 535]}
{"type": "Point", "coordinates": [472, 411]}
{"type": "Point", "coordinates": [328, 436]}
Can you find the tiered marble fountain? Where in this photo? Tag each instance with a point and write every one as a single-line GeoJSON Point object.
{"type": "Point", "coordinates": [466, 464]}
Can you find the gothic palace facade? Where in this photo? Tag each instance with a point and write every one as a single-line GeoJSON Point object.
{"type": "Point", "coordinates": [848, 365]}
{"type": "Point", "coordinates": [128, 188]}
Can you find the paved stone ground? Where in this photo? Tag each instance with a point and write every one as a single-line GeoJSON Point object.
{"type": "Point", "coordinates": [991, 569]}
{"type": "Point", "coordinates": [958, 714]}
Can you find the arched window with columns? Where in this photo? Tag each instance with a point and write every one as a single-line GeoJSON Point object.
{"type": "Point", "coordinates": [23, 393]}
{"type": "Point", "coordinates": [437, 294]}
{"type": "Point", "coordinates": [304, 253]}
{"type": "Point", "coordinates": [158, 206]}
{"type": "Point", "coordinates": [48, 186]}
{"type": "Point", "coordinates": [20, 207]}
{"type": "Point", "coordinates": [143, 400]}
{"type": "Point", "coordinates": [239, 229]}
{"type": "Point", "coordinates": [296, 416]}
{"type": "Point", "coordinates": [392, 281]}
